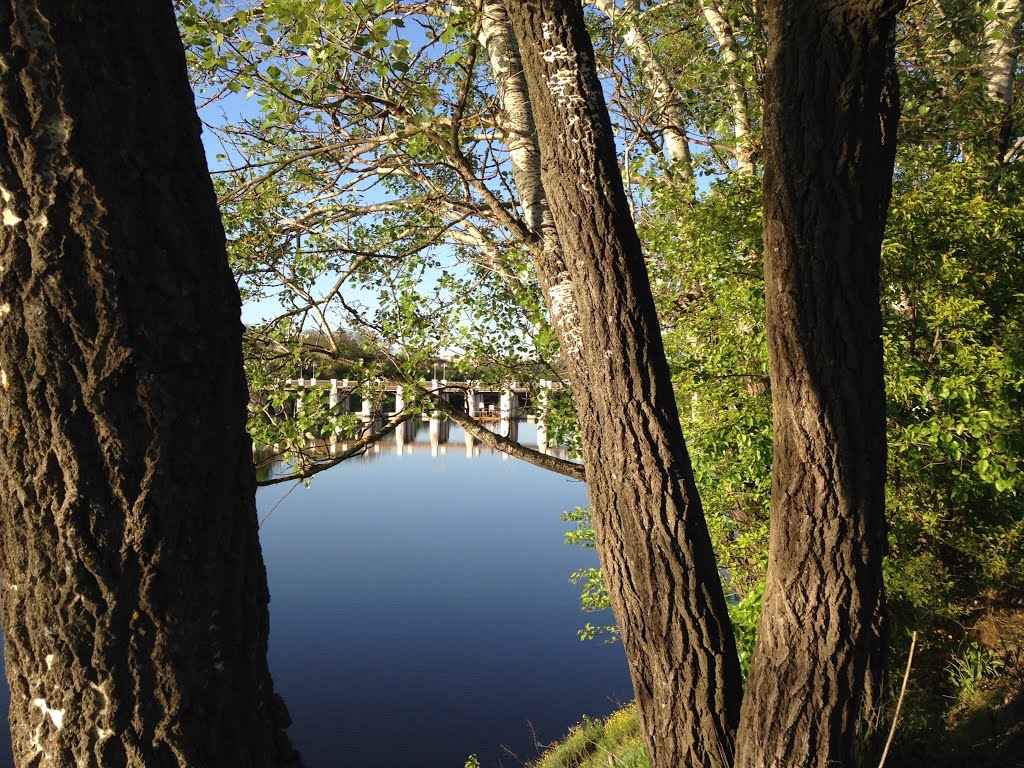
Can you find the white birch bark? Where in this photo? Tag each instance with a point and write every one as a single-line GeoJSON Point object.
{"type": "Point", "coordinates": [672, 120]}
{"type": "Point", "coordinates": [517, 124]}
{"type": "Point", "coordinates": [1002, 45]}
{"type": "Point", "coordinates": [720, 27]}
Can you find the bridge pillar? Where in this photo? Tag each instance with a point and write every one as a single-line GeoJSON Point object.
{"type": "Point", "coordinates": [404, 433]}
{"type": "Point", "coordinates": [399, 399]}
{"type": "Point", "coordinates": [509, 404]}
{"type": "Point", "coordinates": [543, 400]}
{"type": "Point", "coordinates": [438, 435]}
{"type": "Point", "coordinates": [438, 388]}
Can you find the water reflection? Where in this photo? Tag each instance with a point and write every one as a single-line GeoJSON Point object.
{"type": "Point", "coordinates": [429, 435]}
{"type": "Point", "coordinates": [421, 610]}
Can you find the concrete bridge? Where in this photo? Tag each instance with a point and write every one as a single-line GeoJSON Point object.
{"type": "Point", "coordinates": [479, 401]}
{"type": "Point", "coordinates": [503, 407]}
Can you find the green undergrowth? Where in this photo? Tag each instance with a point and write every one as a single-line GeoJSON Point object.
{"type": "Point", "coordinates": [967, 712]}
{"type": "Point", "coordinates": [964, 705]}
{"type": "Point", "coordinates": [614, 741]}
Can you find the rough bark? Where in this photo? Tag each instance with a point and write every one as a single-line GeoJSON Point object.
{"type": "Point", "coordinates": [671, 118]}
{"type": "Point", "coordinates": [134, 596]}
{"type": "Point", "coordinates": [831, 109]}
{"type": "Point", "coordinates": [651, 537]}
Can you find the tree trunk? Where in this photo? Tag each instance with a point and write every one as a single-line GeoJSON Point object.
{"type": "Point", "coordinates": [831, 108]}
{"type": "Point", "coordinates": [520, 130]}
{"type": "Point", "coordinates": [134, 596]}
{"type": "Point", "coordinates": [671, 119]}
{"type": "Point", "coordinates": [651, 537]}
{"type": "Point", "coordinates": [1002, 35]}
{"type": "Point", "coordinates": [722, 31]}
{"type": "Point", "coordinates": [517, 124]}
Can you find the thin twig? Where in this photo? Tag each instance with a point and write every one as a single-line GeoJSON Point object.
{"type": "Point", "coordinates": [355, 449]}
{"type": "Point", "coordinates": [899, 701]}
{"type": "Point", "coordinates": [278, 504]}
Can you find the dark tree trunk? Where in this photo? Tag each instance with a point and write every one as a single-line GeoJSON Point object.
{"type": "Point", "coordinates": [651, 536]}
{"type": "Point", "coordinates": [831, 109]}
{"type": "Point", "coordinates": [134, 596]}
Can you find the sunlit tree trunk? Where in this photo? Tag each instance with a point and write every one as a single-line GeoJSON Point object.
{"type": "Point", "coordinates": [517, 124]}
{"type": "Point", "coordinates": [520, 130]}
{"type": "Point", "coordinates": [671, 119]}
{"type": "Point", "coordinates": [742, 133]}
{"type": "Point", "coordinates": [831, 108]}
{"type": "Point", "coordinates": [651, 536]}
{"type": "Point", "coordinates": [1002, 38]}
{"type": "Point", "coordinates": [134, 596]}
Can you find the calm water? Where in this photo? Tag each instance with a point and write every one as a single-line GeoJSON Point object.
{"type": "Point", "coordinates": [421, 610]}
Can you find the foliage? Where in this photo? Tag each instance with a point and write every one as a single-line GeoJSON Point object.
{"type": "Point", "coordinates": [706, 267]}
{"type": "Point", "coordinates": [944, 75]}
{"type": "Point", "coordinates": [594, 594]}
{"type": "Point", "coordinates": [366, 190]}
{"type": "Point", "coordinates": [974, 664]}
{"type": "Point", "coordinates": [591, 743]}
{"type": "Point", "coordinates": [744, 614]}
{"type": "Point", "coordinates": [954, 308]}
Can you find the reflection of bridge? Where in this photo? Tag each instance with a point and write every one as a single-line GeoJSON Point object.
{"type": "Point", "coordinates": [409, 439]}
{"type": "Point", "coordinates": [500, 406]}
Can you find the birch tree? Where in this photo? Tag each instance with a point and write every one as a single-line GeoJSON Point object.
{"type": "Point", "coordinates": [670, 116]}
{"type": "Point", "coordinates": [1002, 39]}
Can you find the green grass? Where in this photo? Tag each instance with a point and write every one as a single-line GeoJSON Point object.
{"type": "Point", "coordinates": [592, 743]}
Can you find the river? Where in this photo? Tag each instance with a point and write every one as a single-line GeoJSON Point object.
{"type": "Point", "coordinates": [421, 610]}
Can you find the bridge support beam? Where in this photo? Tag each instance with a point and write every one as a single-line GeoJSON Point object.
{"type": "Point", "coordinates": [439, 387]}
{"type": "Point", "coordinates": [509, 404]}
{"type": "Point", "coordinates": [543, 402]}
{"type": "Point", "coordinates": [438, 435]}
{"type": "Point", "coordinates": [474, 402]}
